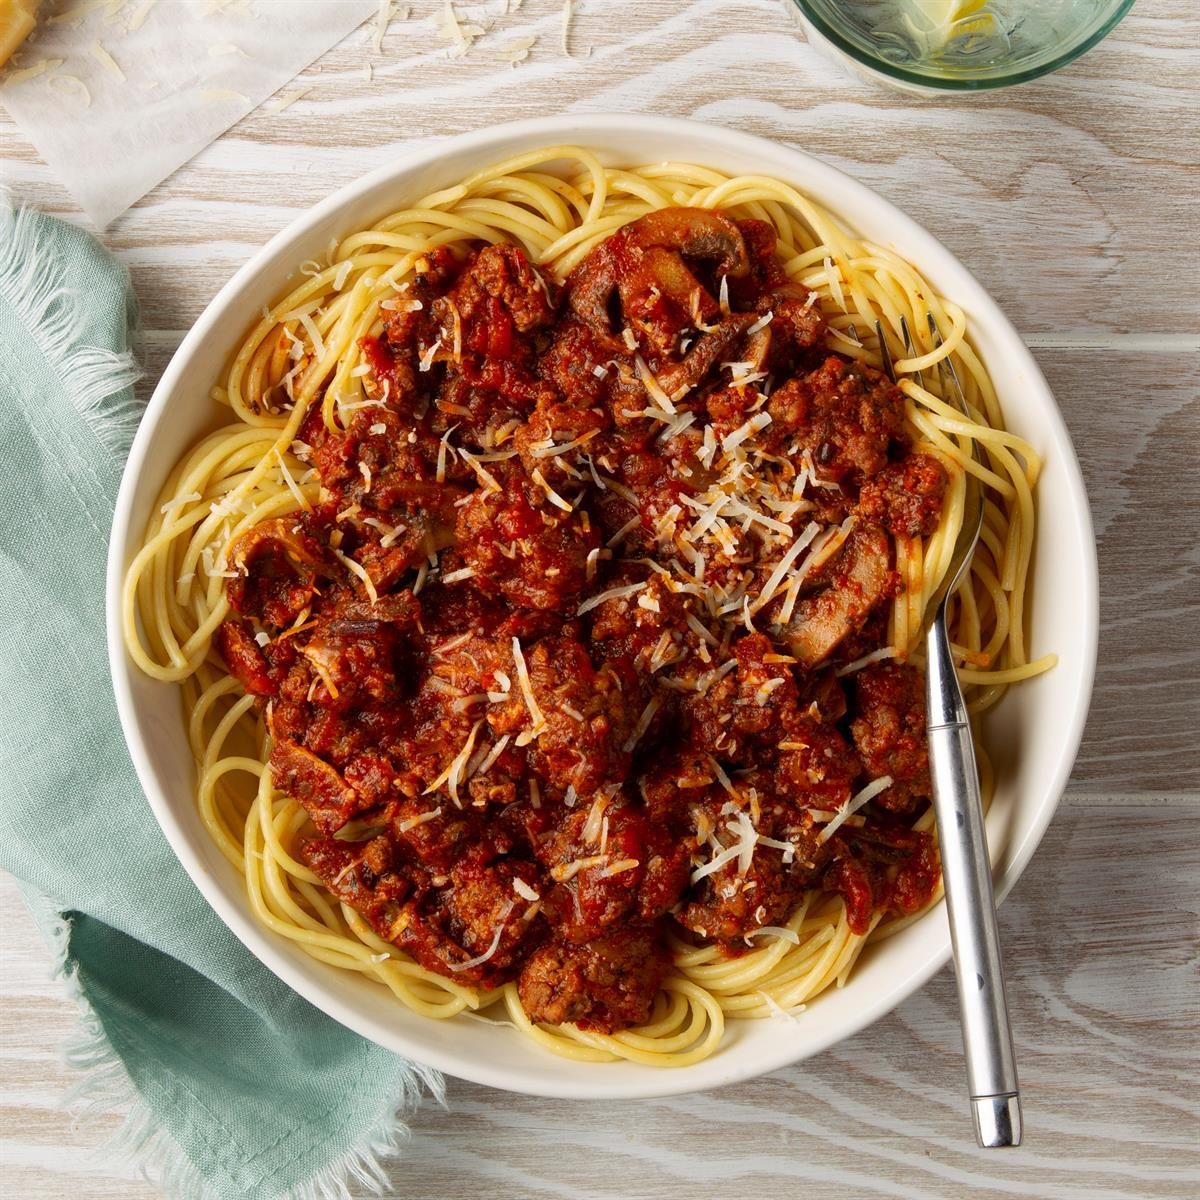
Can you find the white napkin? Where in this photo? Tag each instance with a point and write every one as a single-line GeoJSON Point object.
{"type": "Point", "coordinates": [127, 91]}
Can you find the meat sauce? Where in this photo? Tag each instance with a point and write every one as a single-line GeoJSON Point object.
{"type": "Point", "coordinates": [577, 705]}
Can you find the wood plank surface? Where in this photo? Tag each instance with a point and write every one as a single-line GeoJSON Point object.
{"type": "Point", "coordinates": [1073, 200]}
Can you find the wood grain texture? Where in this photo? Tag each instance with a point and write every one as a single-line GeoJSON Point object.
{"type": "Point", "coordinates": [1073, 201]}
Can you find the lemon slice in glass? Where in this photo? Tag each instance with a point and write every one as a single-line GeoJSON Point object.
{"type": "Point", "coordinates": [935, 22]}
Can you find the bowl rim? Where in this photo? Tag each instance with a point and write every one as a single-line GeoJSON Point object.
{"type": "Point", "coordinates": [598, 132]}
{"type": "Point", "coordinates": [967, 83]}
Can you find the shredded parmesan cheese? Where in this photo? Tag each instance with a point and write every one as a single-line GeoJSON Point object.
{"type": "Point", "coordinates": [68, 83]}
{"type": "Point", "coordinates": [480, 959]}
{"type": "Point", "coordinates": [524, 890]}
{"type": "Point", "coordinates": [643, 723]}
{"type": "Point", "coordinates": [567, 871]}
{"type": "Point", "coordinates": [554, 498]}
{"type": "Point", "coordinates": [866, 660]}
{"type": "Point", "coordinates": [292, 485]}
{"type": "Point", "coordinates": [421, 819]}
{"type": "Point", "coordinates": [615, 593]}
{"type": "Point", "coordinates": [427, 355]}
{"type": "Point", "coordinates": [855, 803]}
{"type": "Point", "coordinates": [358, 569]}
{"type": "Point", "coordinates": [617, 868]}
{"type": "Point", "coordinates": [106, 60]}
{"type": "Point", "coordinates": [487, 764]}
{"type": "Point", "coordinates": [732, 440]}
{"type": "Point", "coordinates": [653, 387]}
{"type": "Point", "coordinates": [454, 773]}
{"type": "Point", "coordinates": [784, 566]}
{"type": "Point", "coordinates": [531, 703]}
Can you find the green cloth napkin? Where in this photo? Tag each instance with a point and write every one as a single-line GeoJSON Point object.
{"type": "Point", "coordinates": [239, 1087]}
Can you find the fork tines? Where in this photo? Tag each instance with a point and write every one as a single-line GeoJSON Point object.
{"type": "Point", "coordinates": [885, 354]}
{"type": "Point", "coordinates": [946, 365]}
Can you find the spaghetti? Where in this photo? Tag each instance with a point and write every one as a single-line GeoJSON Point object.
{"type": "Point", "coordinates": [318, 362]}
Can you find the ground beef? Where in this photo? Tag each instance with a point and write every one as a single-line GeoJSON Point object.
{"type": "Point", "coordinates": [889, 731]}
{"type": "Point", "coordinates": [906, 497]}
{"type": "Point", "coordinates": [845, 414]}
{"type": "Point", "coordinates": [603, 985]}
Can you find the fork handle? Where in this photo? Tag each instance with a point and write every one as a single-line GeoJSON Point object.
{"type": "Point", "coordinates": [970, 902]}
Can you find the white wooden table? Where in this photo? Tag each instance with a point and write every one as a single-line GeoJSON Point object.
{"type": "Point", "coordinates": [1075, 201]}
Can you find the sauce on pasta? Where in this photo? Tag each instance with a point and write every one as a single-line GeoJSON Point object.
{"type": "Point", "coordinates": [561, 594]}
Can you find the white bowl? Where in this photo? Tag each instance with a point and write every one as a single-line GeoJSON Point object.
{"type": "Point", "coordinates": [1033, 735]}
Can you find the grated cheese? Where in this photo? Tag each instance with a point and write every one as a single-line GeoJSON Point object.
{"type": "Point", "coordinates": [595, 818]}
{"type": "Point", "coordinates": [292, 485]}
{"type": "Point", "coordinates": [732, 440]}
{"type": "Point", "coordinates": [620, 866]}
{"type": "Point", "coordinates": [653, 388]}
{"type": "Point", "coordinates": [834, 279]}
{"type": "Point", "coordinates": [788, 848]}
{"type": "Point", "coordinates": [643, 723]}
{"type": "Point", "coordinates": [866, 660]}
{"type": "Point", "coordinates": [219, 95]}
{"type": "Point", "coordinates": [358, 569]}
{"type": "Point", "coordinates": [68, 83]}
{"type": "Point", "coordinates": [784, 565]}
{"type": "Point", "coordinates": [524, 890]}
{"type": "Point", "coordinates": [535, 713]}
{"type": "Point", "coordinates": [553, 451]}
{"type": "Point", "coordinates": [382, 19]}
{"type": "Point", "coordinates": [763, 694]}
{"type": "Point", "coordinates": [853, 805]}
{"type": "Point", "coordinates": [494, 753]}
{"type": "Point", "coordinates": [138, 18]}
{"type": "Point", "coordinates": [179, 502]}
{"type": "Point", "coordinates": [616, 537]}
{"type": "Point", "coordinates": [106, 60]}
{"type": "Point", "coordinates": [443, 446]}
{"type": "Point", "coordinates": [421, 819]}
{"type": "Point", "coordinates": [567, 871]}
{"type": "Point", "coordinates": [453, 774]}
{"type": "Point", "coordinates": [314, 335]}
{"type": "Point", "coordinates": [616, 593]}
{"type": "Point", "coordinates": [485, 475]}
{"type": "Point", "coordinates": [722, 777]}
{"type": "Point", "coordinates": [480, 959]}
{"type": "Point", "coordinates": [427, 355]}
{"type": "Point", "coordinates": [554, 498]}
{"type": "Point", "coordinates": [716, 863]}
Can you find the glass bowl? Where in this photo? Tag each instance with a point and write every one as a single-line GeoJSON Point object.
{"type": "Point", "coordinates": [934, 46]}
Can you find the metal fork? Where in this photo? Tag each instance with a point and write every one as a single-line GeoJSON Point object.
{"type": "Point", "coordinates": [957, 803]}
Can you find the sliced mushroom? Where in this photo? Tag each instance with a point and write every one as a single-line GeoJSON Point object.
{"type": "Point", "coordinates": [272, 537]}
{"type": "Point", "coordinates": [694, 233]}
{"type": "Point", "coordinates": [275, 567]}
{"type": "Point", "coordinates": [326, 796]}
{"type": "Point", "coordinates": [708, 349]}
{"type": "Point", "coordinates": [858, 583]}
{"type": "Point", "coordinates": [648, 253]}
